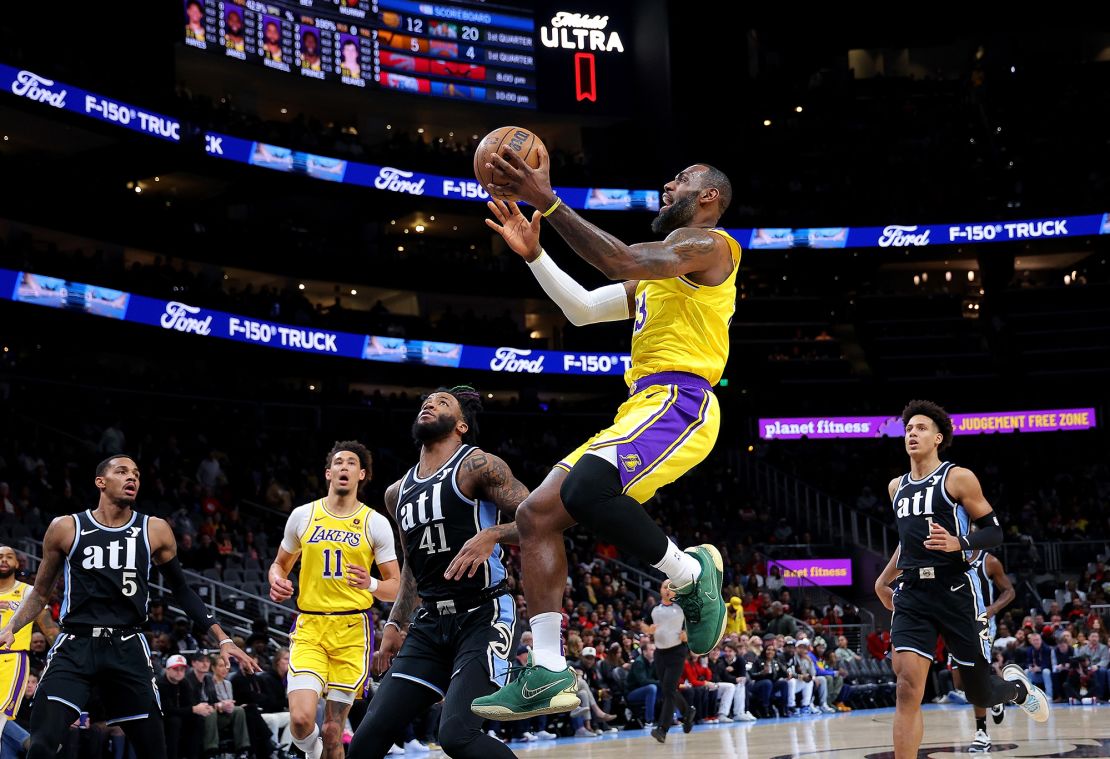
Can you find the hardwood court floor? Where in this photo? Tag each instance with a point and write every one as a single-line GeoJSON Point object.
{"type": "Point", "coordinates": [1072, 731]}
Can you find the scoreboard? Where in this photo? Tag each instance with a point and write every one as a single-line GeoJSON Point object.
{"type": "Point", "coordinates": [464, 50]}
{"type": "Point", "coordinates": [585, 56]}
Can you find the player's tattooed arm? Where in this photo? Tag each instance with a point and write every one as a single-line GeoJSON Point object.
{"type": "Point", "coordinates": [408, 598]}
{"type": "Point", "coordinates": [55, 545]}
{"type": "Point", "coordinates": [488, 477]}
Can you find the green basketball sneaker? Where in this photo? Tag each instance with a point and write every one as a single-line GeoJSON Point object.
{"type": "Point", "coordinates": [701, 601]}
{"type": "Point", "coordinates": [536, 691]}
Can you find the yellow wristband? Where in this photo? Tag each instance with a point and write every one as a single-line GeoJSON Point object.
{"type": "Point", "coordinates": [558, 202]}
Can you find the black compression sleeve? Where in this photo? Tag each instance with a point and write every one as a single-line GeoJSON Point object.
{"type": "Point", "coordinates": [988, 535]}
{"type": "Point", "coordinates": [186, 597]}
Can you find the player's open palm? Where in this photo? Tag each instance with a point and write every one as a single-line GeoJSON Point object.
{"type": "Point", "coordinates": [520, 234]}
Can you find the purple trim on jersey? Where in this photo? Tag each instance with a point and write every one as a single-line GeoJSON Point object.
{"type": "Point", "coordinates": [683, 379]}
{"type": "Point", "coordinates": [17, 691]}
{"type": "Point", "coordinates": [654, 445]}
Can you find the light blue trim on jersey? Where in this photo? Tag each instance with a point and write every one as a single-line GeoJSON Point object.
{"type": "Point", "coordinates": [495, 567]}
{"type": "Point", "coordinates": [505, 611]}
{"type": "Point", "coordinates": [121, 528]}
{"type": "Point", "coordinates": [425, 683]}
{"type": "Point", "coordinates": [149, 564]}
{"type": "Point", "coordinates": [980, 607]}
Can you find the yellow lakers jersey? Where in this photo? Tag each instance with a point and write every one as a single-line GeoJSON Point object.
{"type": "Point", "coordinates": [328, 544]}
{"type": "Point", "coordinates": [682, 326]}
{"type": "Point", "coordinates": [9, 605]}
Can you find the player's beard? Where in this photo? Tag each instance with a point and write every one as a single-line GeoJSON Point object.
{"type": "Point", "coordinates": [427, 432]}
{"type": "Point", "coordinates": [676, 215]}
{"type": "Point", "coordinates": [125, 502]}
{"type": "Point", "coordinates": [5, 574]}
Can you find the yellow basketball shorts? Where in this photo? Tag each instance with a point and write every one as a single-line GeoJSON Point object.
{"type": "Point", "coordinates": [333, 650]}
{"type": "Point", "coordinates": [14, 667]}
{"type": "Point", "coordinates": [668, 425]}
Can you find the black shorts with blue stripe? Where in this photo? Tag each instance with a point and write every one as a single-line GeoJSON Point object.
{"type": "Point", "coordinates": [439, 645]}
{"type": "Point", "coordinates": [949, 604]}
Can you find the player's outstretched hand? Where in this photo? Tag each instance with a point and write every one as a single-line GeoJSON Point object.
{"type": "Point", "coordinates": [533, 186]}
{"type": "Point", "coordinates": [941, 539]}
{"type": "Point", "coordinates": [391, 644]}
{"type": "Point", "coordinates": [470, 558]}
{"type": "Point", "coordinates": [247, 663]}
{"type": "Point", "coordinates": [7, 637]}
{"type": "Point", "coordinates": [358, 577]}
{"type": "Point", "coordinates": [521, 235]}
{"type": "Point", "coordinates": [281, 589]}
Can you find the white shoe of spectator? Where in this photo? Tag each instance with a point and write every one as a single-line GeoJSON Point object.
{"type": "Point", "coordinates": [826, 709]}
{"type": "Point", "coordinates": [543, 735]}
{"type": "Point", "coordinates": [528, 737]}
{"type": "Point", "coordinates": [958, 697]}
{"type": "Point", "coordinates": [746, 717]}
{"type": "Point", "coordinates": [584, 732]}
{"type": "Point", "coordinates": [395, 749]}
{"type": "Point", "coordinates": [415, 747]}
{"type": "Point", "coordinates": [723, 719]}
{"type": "Point", "coordinates": [493, 734]}
{"type": "Point", "coordinates": [1036, 704]}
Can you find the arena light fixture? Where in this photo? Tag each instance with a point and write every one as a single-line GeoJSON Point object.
{"type": "Point", "coordinates": [766, 122]}
{"type": "Point", "coordinates": [300, 286]}
{"type": "Point", "coordinates": [798, 109]}
{"type": "Point", "coordinates": [354, 292]}
{"type": "Point", "coordinates": [419, 227]}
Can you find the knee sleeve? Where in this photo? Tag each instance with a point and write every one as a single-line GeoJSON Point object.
{"type": "Point", "coordinates": [592, 495]}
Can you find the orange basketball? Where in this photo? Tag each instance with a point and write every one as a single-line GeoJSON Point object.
{"type": "Point", "coordinates": [506, 138]}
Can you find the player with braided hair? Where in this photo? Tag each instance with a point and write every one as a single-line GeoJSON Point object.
{"type": "Point", "coordinates": [453, 510]}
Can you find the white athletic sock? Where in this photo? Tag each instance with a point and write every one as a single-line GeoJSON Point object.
{"type": "Point", "coordinates": [306, 743]}
{"type": "Point", "coordinates": [547, 641]}
{"type": "Point", "coordinates": [679, 566]}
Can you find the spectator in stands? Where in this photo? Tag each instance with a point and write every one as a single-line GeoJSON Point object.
{"type": "Point", "coordinates": [274, 701]}
{"type": "Point", "coordinates": [1038, 664]}
{"type": "Point", "coordinates": [1004, 639]}
{"type": "Point", "coordinates": [807, 663]}
{"type": "Point", "coordinates": [39, 649]}
{"type": "Point", "coordinates": [183, 636]}
{"type": "Point", "coordinates": [1061, 663]}
{"type": "Point", "coordinates": [598, 687]}
{"type": "Point", "coordinates": [771, 689]}
{"type": "Point", "coordinates": [734, 621]}
{"type": "Point", "coordinates": [1099, 655]}
{"type": "Point", "coordinates": [23, 712]}
{"type": "Point", "coordinates": [781, 623]}
{"type": "Point", "coordinates": [182, 715]}
{"type": "Point", "coordinates": [228, 713]}
{"type": "Point", "coordinates": [156, 619]}
{"type": "Point", "coordinates": [247, 690]}
{"type": "Point", "coordinates": [643, 685]}
{"type": "Point", "coordinates": [723, 689]}
{"type": "Point", "coordinates": [732, 668]}
{"type": "Point", "coordinates": [774, 582]}
{"type": "Point", "coordinates": [1079, 683]}
{"type": "Point", "coordinates": [697, 685]}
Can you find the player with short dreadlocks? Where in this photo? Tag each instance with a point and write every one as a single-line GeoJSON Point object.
{"type": "Point", "coordinates": [454, 599]}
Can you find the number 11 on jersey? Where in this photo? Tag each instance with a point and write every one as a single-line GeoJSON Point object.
{"type": "Point", "coordinates": [337, 572]}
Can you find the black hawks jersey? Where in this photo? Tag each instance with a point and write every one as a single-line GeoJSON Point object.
{"type": "Point", "coordinates": [918, 503]}
{"type": "Point", "coordinates": [107, 573]}
{"type": "Point", "coordinates": [437, 519]}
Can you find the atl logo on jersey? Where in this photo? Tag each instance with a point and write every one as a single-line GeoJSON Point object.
{"type": "Point", "coordinates": [914, 506]}
{"type": "Point", "coordinates": [94, 555]}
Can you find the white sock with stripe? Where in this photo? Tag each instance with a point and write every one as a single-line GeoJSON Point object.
{"type": "Point", "coordinates": [679, 566]}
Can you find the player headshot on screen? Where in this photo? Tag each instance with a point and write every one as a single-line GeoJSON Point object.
{"type": "Point", "coordinates": [272, 44]}
{"type": "Point", "coordinates": [233, 36]}
{"type": "Point", "coordinates": [194, 15]}
{"type": "Point", "coordinates": [310, 51]}
{"type": "Point", "coordinates": [350, 65]}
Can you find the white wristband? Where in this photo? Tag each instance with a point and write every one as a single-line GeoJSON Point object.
{"type": "Point", "coordinates": [581, 306]}
{"type": "Point", "coordinates": [226, 640]}
{"type": "Point", "coordinates": [373, 584]}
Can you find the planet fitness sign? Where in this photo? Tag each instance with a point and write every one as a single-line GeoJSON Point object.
{"type": "Point", "coordinates": [839, 427]}
{"type": "Point", "coordinates": [799, 572]}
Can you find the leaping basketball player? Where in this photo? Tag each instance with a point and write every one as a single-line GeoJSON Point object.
{"type": "Point", "coordinates": [682, 293]}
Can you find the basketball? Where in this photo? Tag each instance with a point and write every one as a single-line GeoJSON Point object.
{"type": "Point", "coordinates": [524, 142]}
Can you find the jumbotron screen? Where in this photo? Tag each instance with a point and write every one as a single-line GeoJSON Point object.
{"type": "Point", "coordinates": [466, 50]}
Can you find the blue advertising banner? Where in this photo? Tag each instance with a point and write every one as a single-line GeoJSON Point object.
{"type": "Point", "coordinates": [41, 89]}
{"type": "Point", "coordinates": [54, 292]}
